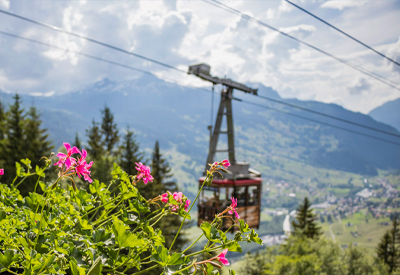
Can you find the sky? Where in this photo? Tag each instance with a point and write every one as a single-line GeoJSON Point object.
{"type": "Point", "coordinates": [182, 33]}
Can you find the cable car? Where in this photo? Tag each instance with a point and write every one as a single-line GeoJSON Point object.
{"type": "Point", "coordinates": [241, 182]}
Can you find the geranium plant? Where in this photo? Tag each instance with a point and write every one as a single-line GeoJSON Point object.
{"type": "Point", "coordinates": [108, 230]}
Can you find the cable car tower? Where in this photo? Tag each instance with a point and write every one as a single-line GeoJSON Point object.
{"type": "Point", "coordinates": [241, 182]}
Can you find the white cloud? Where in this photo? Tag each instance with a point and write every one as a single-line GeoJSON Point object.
{"type": "Point", "coordinates": [340, 5]}
{"type": "Point", "coordinates": [5, 4]}
{"type": "Point", "coordinates": [181, 33]}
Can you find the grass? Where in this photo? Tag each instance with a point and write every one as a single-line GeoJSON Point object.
{"type": "Point", "coordinates": [369, 233]}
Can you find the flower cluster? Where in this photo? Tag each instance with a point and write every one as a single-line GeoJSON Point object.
{"type": "Point", "coordinates": [220, 257]}
{"type": "Point", "coordinates": [232, 207]}
{"type": "Point", "coordinates": [225, 163]}
{"type": "Point", "coordinates": [70, 165]}
{"type": "Point", "coordinates": [1, 171]}
{"type": "Point", "coordinates": [143, 173]}
{"type": "Point", "coordinates": [179, 198]}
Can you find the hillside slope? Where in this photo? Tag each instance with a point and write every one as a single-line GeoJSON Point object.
{"type": "Point", "coordinates": [388, 113]}
{"type": "Point", "coordinates": [178, 117]}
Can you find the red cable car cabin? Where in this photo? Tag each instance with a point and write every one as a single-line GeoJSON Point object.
{"type": "Point", "coordinates": [246, 188]}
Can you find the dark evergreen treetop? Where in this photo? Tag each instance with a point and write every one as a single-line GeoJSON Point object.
{"type": "Point", "coordinates": [21, 136]}
{"type": "Point", "coordinates": [306, 224]}
{"type": "Point", "coordinates": [109, 129]}
{"type": "Point", "coordinates": [78, 142]}
{"type": "Point", "coordinates": [130, 153]}
{"type": "Point", "coordinates": [95, 144]}
{"type": "Point", "coordinates": [383, 250]}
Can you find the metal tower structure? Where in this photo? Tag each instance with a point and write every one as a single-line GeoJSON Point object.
{"type": "Point", "coordinates": [225, 109]}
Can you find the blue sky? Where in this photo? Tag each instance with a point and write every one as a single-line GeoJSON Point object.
{"type": "Point", "coordinates": [182, 33]}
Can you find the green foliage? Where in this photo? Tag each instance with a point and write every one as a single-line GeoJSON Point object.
{"type": "Point", "coordinates": [388, 248]}
{"type": "Point", "coordinates": [99, 231]}
{"type": "Point", "coordinates": [130, 153]}
{"type": "Point", "coordinates": [300, 255]}
{"type": "Point", "coordinates": [109, 129]}
{"type": "Point", "coordinates": [21, 136]}
{"type": "Point", "coordinates": [306, 221]}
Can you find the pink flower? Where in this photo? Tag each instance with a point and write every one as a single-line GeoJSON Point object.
{"type": "Point", "coordinates": [187, 203]}
{"type": "Point", "coordinates": [225, 163]}
{"type": "Point", "coordinates": [233, 206]}
{"type": "Point", "coordinates": [164, 198]}
{"type": "Point", "coordinates": [66, 158]}
{"type": "Point", "coordinates": [221, 257]}
{"type": "Point", "coordinates": [178, 196]}
{"type": "Point", "coordinates": [82, 168]}
{"type": "Point", "coordinates": [1, 171]}
{"type": "Point", "coordinates": [144, 173]}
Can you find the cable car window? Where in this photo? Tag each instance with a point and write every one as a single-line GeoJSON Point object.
{"type": "Point", "coordinates": [210, 197]}
{"type": "Point", "coordinates": [225, 196]}
{"type": "Point", "coordinates": [241, 196]}
{"type": "Point", "coordinates": [253, 195]}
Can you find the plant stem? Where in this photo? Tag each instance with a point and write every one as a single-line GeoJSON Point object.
{"type": "Point", "coordinates": [145, 270]}
{"type": "Point", "coordinates": [184, 218]}
{"type": "Point", "coordinates": [34, 191]}
{"type": "Point", "coordinates": [193, 243]}
{"type": "Point", "coordinates": [157, 220]}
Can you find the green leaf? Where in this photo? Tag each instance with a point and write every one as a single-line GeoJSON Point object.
{"type": "Point", "coordinates": [27, 163]}
{"type": "Point", "coordinates": [243, 226]}
{"type": "Point", "coordinates": [232, 272]}
{"type": "Point", "coordinates": [253, 236]}
{"type": "Point", "coordinates": [7, 259]}
{"type": "Point", "coordinates": [211, 233]}
{"type": "Point", "coordinates": [160, 255]}
{"type": "Point", "coordinates": [19, 169]}
{"type": "Point", "coordinates": [39, 172]}
{"type": "Point", "coordinates": [234, 247]}
{"type": "Point", "coordinates": [96, 268]}
{"type": "Point", "coordinates": [124, 238]}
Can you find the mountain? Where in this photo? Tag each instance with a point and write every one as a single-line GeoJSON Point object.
{"type": "Point", "coordinates": [388, 113]}
{"type": "Point", "coordinates": [279, 145]}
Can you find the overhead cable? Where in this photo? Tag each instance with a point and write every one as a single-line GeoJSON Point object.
{"type": "Point", "coordinates": [91, 40]}
{"type": "Point", "coordinates": [348, 63]}
{"type": "Point", "coordinates": [329, 116]}
{"type": "Point", "coordinates": [248, 102]}
{"type": "Point", "coordinates": [342, 32]}
{"type": "Point", "coordinates": [320, 122]}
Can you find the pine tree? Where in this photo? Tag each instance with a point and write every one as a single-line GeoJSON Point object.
{"type": "Point", "coordinates": [170, 224]}
{"type": "Point", "coordinates": [3, 123]}
{"type": "Point", "coordinates": [36, 138]}
{"type": "Point", "coordinates": [13, 149]}
{"type": "Point", "coordinates": [109, 129]}
{"type": "Point", "coordinates": [306, 224]}
{"type": "Point", "coordinates": [394, 250]}
{"type": "Point", "coordinates": [36, 145]}
{"type": "Point", "coordinates": [383, 250]}
{"type": "Point", "coordinates": [130, 153]}
{"type": "Point", "coordinates": [95, 149]}
{"type": "Point", "coordinates": [77, 142]}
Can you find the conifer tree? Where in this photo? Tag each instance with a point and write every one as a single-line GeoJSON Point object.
{"type": "Point", "coordinates": [109, 129]}
{"type": "Point", "coordinates": [77, 142]}
{"type": "Point", "coordinates": [130, 153]}
{"type": "Point", "coordinates": [161, 173]}
{"type": "Point", "coordinates": [170, 224]}
{"type": "Point", "coordinates": [2, 133]}
{"type": "Point", "coordinates": [36, 138]}
{"type": "Point", "coordinates": [36, 145]}
{"type": "Point", "coordinates": [394, 250]}
{"type": "Point", "coordinates": [383, 250]}
{"type": "Point", "coordinates": [13, 149]}
{"type": "Point", "coordinates": [306, 224]}
{"type": "Point", "coordinates": [2, 122]}
{"type": "Point", "coordinates": [95, 143]}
